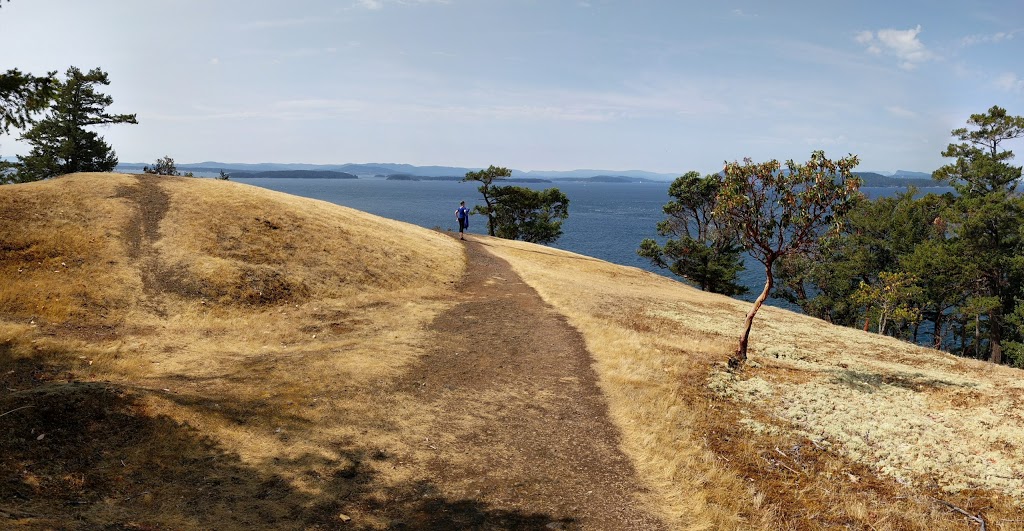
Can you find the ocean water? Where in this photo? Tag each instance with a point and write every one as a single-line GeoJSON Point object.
{"type": "Point", "coordinates": [606, 220]}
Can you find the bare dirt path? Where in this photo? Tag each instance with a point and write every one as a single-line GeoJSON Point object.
{"type": "Point", "coordinates": [521, 425]}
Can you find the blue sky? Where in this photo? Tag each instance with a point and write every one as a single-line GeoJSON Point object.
{"type": "Point", "coordinates": [666, 86]}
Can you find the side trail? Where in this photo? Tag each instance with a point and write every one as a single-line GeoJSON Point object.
{"type": "Point", "coordinates": [522, 425]}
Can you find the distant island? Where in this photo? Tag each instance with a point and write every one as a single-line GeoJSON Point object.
{"type": "Point", "coordinates": [605, 179]}
{"type": "Point", "coordinates": [410, 177]}
{"type": "Point", "coordinates": [292, 174]}
{"type": "Point", "coordinates": [877, 180]}
{"type": "Point", "coordinates": [408, 172]}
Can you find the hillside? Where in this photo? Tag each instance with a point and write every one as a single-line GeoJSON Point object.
{"type": "Point", "coordinates": [191, 354]}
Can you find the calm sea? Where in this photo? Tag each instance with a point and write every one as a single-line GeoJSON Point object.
{"type": "Point", "coordinates": [606, 220]}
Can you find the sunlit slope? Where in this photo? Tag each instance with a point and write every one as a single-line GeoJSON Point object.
{"type": "Point", "coordinates": [196, 354]}
{"type": "Point", "coordinates": [851, 426]}
{"type": "Point", "coordinates": [91, 248]}
{"type": "Point", "coordinates": [201, 354]}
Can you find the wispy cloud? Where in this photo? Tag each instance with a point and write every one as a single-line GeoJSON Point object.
{"type": "Point", "coordinates": [524, 106]}
{"type": "Point", "coordinates": [902, 44]}
{"type": "Point", "coordinates": [901, 112]}
{"type": "Point", "coordinates": [1009, 82]}
{"type": "Point", "coordinates": [375, 5]}
{"type": "Point", "coordinates": [743, 14]}
{"type": "Point", "coordinates": [255, 25]}
{"type": "Point", "coordinates": [827, 141]}
{"type": "Point", "coordinates": [1001, 36]}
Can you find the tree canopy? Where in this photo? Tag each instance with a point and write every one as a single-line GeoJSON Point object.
{"type": "Point", "coordinates": [981, 167]}
{"type": "Point", "coordinates": [534, 216]}
{"type": "Point", "coordinates": [23, 95]}
{"type": "Point", "coordinates": [700, 248]}
{"type": "Point", "coordinates": [487, 178]}
{"type": "Point", "coordinates": [60, 141]}
{"type": "Point", "coordinates": [516, 212]}
{"type": "Point", "coordinates": [953, 263]}
{"type": "Point", "coordinates": [780, 212]}
{"type": "Point", "coordinates": [163, 166]}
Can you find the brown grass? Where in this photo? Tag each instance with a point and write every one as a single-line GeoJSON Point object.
{"type": "Point", "coordinates": [828, 427]}
{"type": "Point", "coordinates": [244, 348]}
{"type": "Point", "coordinates": [188, 353]}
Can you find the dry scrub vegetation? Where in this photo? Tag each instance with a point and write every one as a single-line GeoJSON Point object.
{"type": "Point", "coordinates": [194, 354]}
{"type": "Point", "coordinates": [829, 427]}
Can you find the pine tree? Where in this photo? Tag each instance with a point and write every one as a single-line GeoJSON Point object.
{"type": "Point", "coordinates": [986, 220]}
{"type": "Point", "coordinates": [60, 142]}
{"type": "Point", "coordinates": [700, 247]}
{"type": "Point", "coordinates": [21, 96]}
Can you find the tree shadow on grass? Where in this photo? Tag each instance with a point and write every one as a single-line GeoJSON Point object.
{"type": "Point", "coordinates": [869, 382]}
{"type": "Point", "coordinates": [90, 455]}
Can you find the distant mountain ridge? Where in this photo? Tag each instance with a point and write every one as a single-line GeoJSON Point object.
{"type": "Point", "coordinates": [877, 180]}
{"type": "Point", "coordinates": [408, 171]}
{"type": "Point", "coordinates": [385, 169]}
{"type": "Point", "coordinates": [292, 174]}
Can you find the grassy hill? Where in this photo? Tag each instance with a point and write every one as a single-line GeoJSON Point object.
{"type": "Point", "coordinates": [190, 354]}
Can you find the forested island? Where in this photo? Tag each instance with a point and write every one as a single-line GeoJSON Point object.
{"type": "Point", "coordinates": [292, 174]}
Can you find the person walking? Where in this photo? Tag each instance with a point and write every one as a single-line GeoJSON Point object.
{"type": "Point", "coordinates": [462, 214]}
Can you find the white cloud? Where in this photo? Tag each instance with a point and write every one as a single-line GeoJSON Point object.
{"type": "Point", "coordinates": [1009, 82]}
{"type": "Point", "coordinates": [370, 4]}
{"type": "Point", "coordinates": [743, 14]}
{"type": "Point", "coordinates": [215, 61]}
{"type": "Point", "coordinates": [867, 38]}
{"type": "Point", "coordinates": [902, 44]}
{"type": "Point", "coordinates": [972, 40]}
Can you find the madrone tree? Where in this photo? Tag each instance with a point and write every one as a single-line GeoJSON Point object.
{"type": "Point", "coordinates": [780, 212]}
{"type": "Point", "coordinates": [60, 142]}
{"type": "Point", "coordinates": [700, 247]}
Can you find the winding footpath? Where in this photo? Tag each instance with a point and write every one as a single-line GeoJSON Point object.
{"type": "Point", "coordinates": [524, 426]}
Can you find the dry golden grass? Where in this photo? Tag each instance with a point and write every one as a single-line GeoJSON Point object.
{"type": "Point", "coordinates": [828, 427]}
{"type": "Point", "coordinates": [253, 330]}
{"type": "Point", "coordinates": [242, 340]}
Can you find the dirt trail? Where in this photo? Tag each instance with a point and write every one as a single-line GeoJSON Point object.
{"type": "Point", "coordinates": [143, 230]}
{"type": "Point", "coordinates": [521, 423]}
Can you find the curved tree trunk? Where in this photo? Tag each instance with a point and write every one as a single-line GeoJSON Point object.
{"type": "Point", "coordinates": [490, 213]}
{"type": "Point", "coordinates": [741, 352]}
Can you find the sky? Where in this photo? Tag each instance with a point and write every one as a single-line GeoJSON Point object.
{"type": "Point", "coordinates": [664, 86]}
